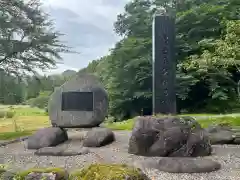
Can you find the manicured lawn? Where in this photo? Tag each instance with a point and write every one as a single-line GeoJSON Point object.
{"type": "Point", "coordinates": [24, 123]}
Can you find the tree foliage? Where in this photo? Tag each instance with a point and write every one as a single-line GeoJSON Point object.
{"type": "Point", "coordinates": [30, 90]}
{"type": "Point", "coordinates": [207, 46]}
{"type": "Point", "coordinates": [28, 41]}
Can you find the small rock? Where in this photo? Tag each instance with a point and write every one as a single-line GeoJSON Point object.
{"type": "Point", "coordinates": [47, 137]}
{"type": "Point", "coordinates": [98, 137]}
{"type": "Point", "coordinates": [54, 151]}
{"type": "Point", "coordinates": [220, 135]}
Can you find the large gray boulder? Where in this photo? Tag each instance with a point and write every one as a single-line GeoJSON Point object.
{"type": "Point", "coordinates": [169, 136]}
{"type": "Point", "coordinates": [81, 102]}
{"type": "Point", "coordinates": [47, 137]}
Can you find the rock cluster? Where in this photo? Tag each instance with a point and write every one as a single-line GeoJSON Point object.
{"type": "Point", "coordinates": [169, 136]}
{"type": "Point", "coordinates": [45, 141]}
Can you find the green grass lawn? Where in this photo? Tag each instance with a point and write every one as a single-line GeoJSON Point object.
{"type": "Point", "coordinates": [24, 110]}
{"type": "Point", "coordinates": [28, 120]}
{"type": "Point", "coordinates": [13, 135]}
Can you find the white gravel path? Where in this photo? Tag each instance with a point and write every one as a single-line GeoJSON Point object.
{"type": "Point", "coordinates": [19, 158]}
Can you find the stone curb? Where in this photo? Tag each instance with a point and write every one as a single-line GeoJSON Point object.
{"type": "Point", "coordinates": [2, 144]}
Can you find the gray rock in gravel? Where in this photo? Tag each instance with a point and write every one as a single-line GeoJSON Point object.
{"type": "Point", "coordinates": [169, 136]}
{"type": "Point", "coordinates": [222, 137]}
{"type": "Point", "coordinates": [180, 165]}
{"type": "Point", "coordinates": [55, 151]}
{"type": "Point", "coordinates": [47, 137]}
{"type": "Point", "coordinates": [220, 134]}
{"type": "Point", "coordinates": [98, 137]}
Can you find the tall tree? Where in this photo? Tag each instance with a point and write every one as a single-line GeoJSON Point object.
{"type": "Point", "coordinates": [28, 40]}
{"type": "Point", "coordinates": [12, 90]}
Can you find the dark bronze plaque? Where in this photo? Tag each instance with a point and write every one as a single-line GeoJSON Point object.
{"type": "Point", "coordinates": [77, 101]}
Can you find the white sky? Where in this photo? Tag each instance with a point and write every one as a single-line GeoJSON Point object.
{"type": "Point", "coordinates": [88, 28]}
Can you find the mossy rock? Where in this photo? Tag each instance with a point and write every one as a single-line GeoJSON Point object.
{"type": "Point", "coordinates": [108, 172]}
{"type": "Point", "coordinates": [61, 173]}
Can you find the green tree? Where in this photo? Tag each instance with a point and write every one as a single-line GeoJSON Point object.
{"type": "Point", "coordinates": [219, 67]}
{"type": "Point", "coordinates": [28, 41]}
{"type": "Point", "coordinates": [12, 90]}
{"type": "Point", "coordinates": [203, 28]}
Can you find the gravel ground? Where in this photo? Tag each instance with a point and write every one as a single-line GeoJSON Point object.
{"type": "Point", "coordinates": [19, 158]}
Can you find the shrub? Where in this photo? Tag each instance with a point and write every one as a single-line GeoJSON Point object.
{"type": "Point", "coordinates": [107, 172]}
{"type": "Point", "coordinates": [40, 102]}
{"type": "Point", "coordinates": [46, 111]}
{"type": "Point", "coordinates": [3, 168]}
{"type": "Point", "coordinates": [2, 114]}
{"type": "Point", "coordinates": [110, 120]}
{"type": "Point", "coordinates": [2, 171]}
{"type": "Point", "coordinates": [10, 114]}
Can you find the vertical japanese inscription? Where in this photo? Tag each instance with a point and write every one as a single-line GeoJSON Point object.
{"type": "Point", "coordinates": [164, 98]}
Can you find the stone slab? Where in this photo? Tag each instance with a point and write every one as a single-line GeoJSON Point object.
{"type": "Point", "coordinates": [79, 118]}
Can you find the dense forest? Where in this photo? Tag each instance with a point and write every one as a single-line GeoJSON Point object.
{"type": "Point", "coordinates": [207, 53]}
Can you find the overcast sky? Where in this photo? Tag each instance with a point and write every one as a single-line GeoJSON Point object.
{"type": "Point", "coordinates": [88, 27]}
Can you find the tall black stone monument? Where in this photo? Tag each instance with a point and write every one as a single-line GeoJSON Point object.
{"type": "Point", "coordinates": [164, 68]}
